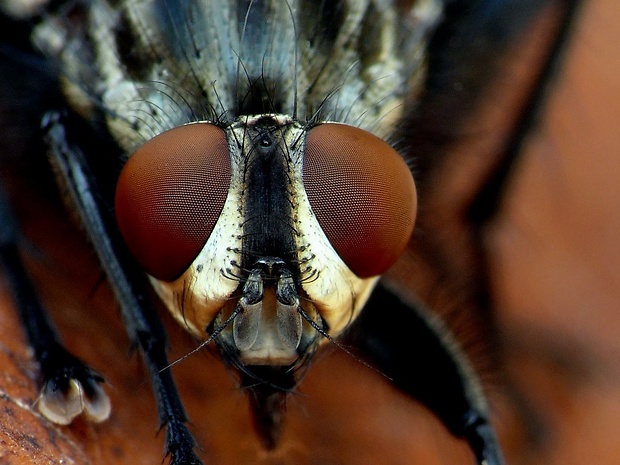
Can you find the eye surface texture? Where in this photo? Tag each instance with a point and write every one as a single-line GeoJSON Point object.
{"type": "Point", "coordinates": [362, 194]}
{"type": "Point", "coordinates": [170, 195]}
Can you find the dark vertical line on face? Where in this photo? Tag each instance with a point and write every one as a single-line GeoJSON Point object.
{"type": "Point", "coordinates": [268, 230]}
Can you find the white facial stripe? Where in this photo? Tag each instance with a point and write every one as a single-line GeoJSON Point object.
{"type": "Point", "coordinates": [336, 292]}
{"type": "Point", "coordinates": [196, 297]}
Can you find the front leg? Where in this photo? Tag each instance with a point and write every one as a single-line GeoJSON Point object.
{"type": "Point", "coordinates": [69, 387]}
{"type": "Point", "coordinates": [422, 360]}
{"type": "Point", "coordinates": [128, 282]}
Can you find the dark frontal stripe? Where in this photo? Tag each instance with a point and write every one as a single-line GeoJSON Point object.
{"type": "Point", "coordinates": [268, 229]}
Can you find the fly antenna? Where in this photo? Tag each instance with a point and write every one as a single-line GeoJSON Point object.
{"type": "Point", "coordinates": [216, 332]}
{"type": "Point", "coordinates": [341, 346]}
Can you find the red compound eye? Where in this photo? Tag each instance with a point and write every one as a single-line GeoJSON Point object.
{"type": "Point", "coordinates": [362, 194]}
{"type": "Point", "coordinates": [169, 196]}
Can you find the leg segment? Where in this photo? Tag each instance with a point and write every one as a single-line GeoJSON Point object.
{"type": "Point", "coordinates": [423, 361]}
{"type": "Point", "coordinates": [69, 387]}
{"type": "Point", "coordinates": [129, 284]}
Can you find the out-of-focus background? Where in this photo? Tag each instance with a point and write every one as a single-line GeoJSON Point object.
{"type": "Point", "coordinates": [552, 251]}
{"type": "Point", "coordinates": [553, 255]}
{"type": "Point", "coordinates": [555, 252]}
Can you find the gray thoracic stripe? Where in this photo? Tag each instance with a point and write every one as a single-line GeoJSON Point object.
{"type": "Point", "coordinates": [161, 64]}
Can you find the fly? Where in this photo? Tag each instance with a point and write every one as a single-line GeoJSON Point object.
{"type": "Point", "coordinates": [242, 158]}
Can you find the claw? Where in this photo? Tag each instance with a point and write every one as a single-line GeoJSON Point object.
{"type": "Point", "coordinates": [483, 442]}
{"type": "Point", "coordinates": [62, 406]}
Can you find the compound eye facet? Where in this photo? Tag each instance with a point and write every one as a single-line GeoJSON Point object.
{"type": "Point", "coordinates": [170, 195]}
{"type": "Point", "coordinates": [362, 193]}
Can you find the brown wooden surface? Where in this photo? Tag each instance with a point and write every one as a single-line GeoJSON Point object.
{"type": "Point", "coordinates": [554, 259]}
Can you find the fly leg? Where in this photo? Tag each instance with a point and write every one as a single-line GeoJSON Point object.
{"type": "Point", "coordinates": [130, 286]}
{"type": "Point", "coordinates": [69, 387]}
{"type": "Point", "coordinates": [412, 349]}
